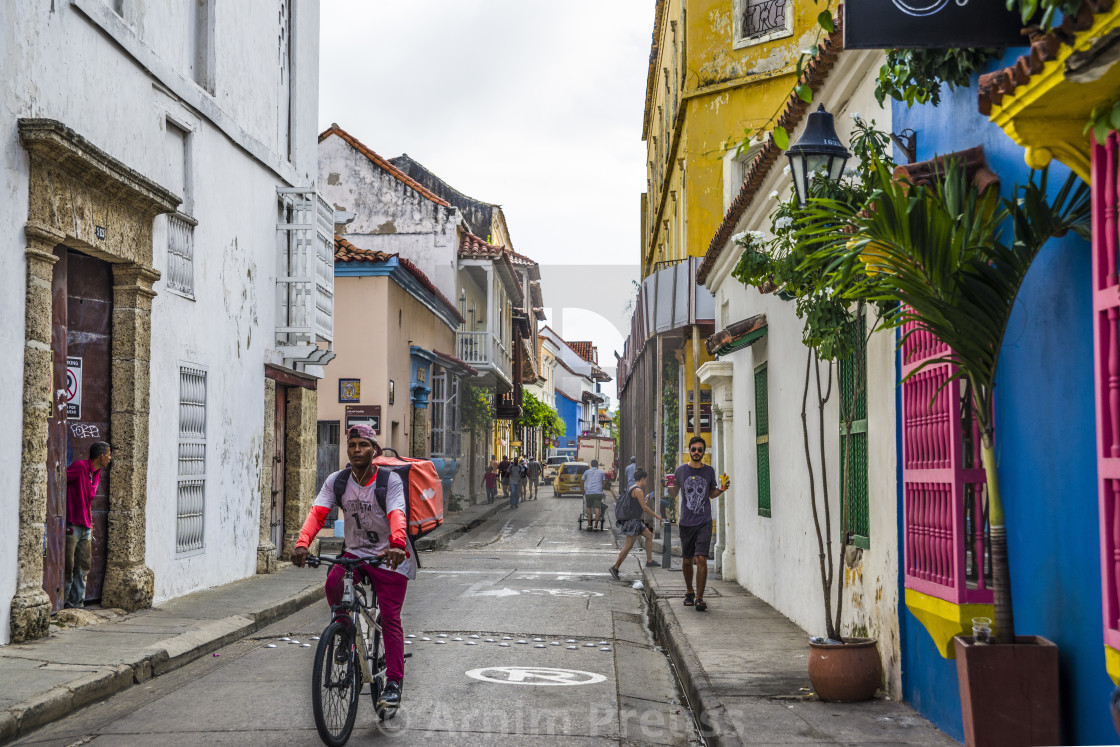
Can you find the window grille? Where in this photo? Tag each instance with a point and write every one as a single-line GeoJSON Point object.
{"type": "Point", "coordinates": [180, 253]}
{"type": "Point", "coordinates": [853, 444]}
{"type": "Point", "coordinates": [762, 438]}
{"type": "Point", "coordinates": [1106, 350]}
{"type": "Point", "coordinates": [761, 20]}
{"type": "Point", "coordinates": [305, 276]}
{"type": "Point", "coordinates": [944, 492]}
{"type": "Point", "coordinates": [438, 400]}
{"type": "Point", "coordinates": [191, 502]}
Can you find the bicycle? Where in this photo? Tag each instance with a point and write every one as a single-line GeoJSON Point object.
{"type": "Point", "coordinates": [349, 655]}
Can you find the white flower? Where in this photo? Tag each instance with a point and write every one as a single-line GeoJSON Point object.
{"type": "Point", "coordinates": [738, 237]}
{"type": "Point", "coordinates": [786, 170]}
{"type": "Point", "coordinates": [784, 222]}
{"type": "Point", "coordinates": [854, 116]}
{"type": "Point", "coordinates": [757, 235]}
{"type": "Point", "coordinates": [774, 195]}
{"type": "Point", "coordinates": [851, 171]}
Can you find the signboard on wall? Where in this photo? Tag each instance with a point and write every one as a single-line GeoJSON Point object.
{"type": "Point", "coordinates": [73, 388]}
{"type": "Point", "coordinates": [705, 418]}
{"type": "Point", "coordinates": [349, 390]}
{"type": "Point", "coordinates": [364, 415]}
{"type": "Point", "coordinates": [932, 24]}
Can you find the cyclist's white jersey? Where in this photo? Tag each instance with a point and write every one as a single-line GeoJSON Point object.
{"type": "Point", "coordinates": [366, 526]}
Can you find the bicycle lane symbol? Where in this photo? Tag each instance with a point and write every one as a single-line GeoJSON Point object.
{"type": "Point", "coordinates": [540, 676]}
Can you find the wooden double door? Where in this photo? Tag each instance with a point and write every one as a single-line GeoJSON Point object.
{"type": "Point", "coordinates": [81, 340]}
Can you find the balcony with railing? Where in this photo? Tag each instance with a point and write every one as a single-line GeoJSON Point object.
{"type": "Point", "coordinates": [485, 352]}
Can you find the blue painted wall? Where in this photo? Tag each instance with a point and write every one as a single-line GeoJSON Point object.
{"type": "Point", "coordinates": [568, 410]}
{"type": "Point", "coordinates": [1045, 432]}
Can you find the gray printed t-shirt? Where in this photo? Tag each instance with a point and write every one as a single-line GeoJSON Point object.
{"type": "Point", "coordinates": [695, 485]}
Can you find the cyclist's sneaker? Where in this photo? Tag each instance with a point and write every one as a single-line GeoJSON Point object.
{"type": "Point", "coordinates": [341, 655]}
{"type": "Point", "coordinates": [390, 696]}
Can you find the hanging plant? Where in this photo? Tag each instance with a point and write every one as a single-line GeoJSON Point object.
{"type": "Point", "coordinates": [915, 76]}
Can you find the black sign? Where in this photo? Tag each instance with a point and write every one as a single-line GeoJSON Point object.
{"type": "Point", "coordinates": [935, 24]}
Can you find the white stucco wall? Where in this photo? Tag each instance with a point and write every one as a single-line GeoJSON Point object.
{"type": "Point", "coordinates": [114, 81]}
{"type": "Point", "coordinates": [776, 557]}
{"type": "Point", "coordinates": [391, 216]}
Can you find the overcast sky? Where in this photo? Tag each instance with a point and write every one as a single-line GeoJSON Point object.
{"type": "Point", "coordinates": [531, 104]}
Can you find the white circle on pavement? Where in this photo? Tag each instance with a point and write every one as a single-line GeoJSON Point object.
{"type": "Point", "coordinates": [543, 676]}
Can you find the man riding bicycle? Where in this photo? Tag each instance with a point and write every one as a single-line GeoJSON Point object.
{"type": "Point", "coordinates": [370, 533]}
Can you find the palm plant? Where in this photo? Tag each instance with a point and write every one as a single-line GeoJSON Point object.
{"type": "Point", "coordinates": [952, 261]}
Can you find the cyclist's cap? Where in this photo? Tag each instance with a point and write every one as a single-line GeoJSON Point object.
{"type": "Point", "coordinates": [361, 430]}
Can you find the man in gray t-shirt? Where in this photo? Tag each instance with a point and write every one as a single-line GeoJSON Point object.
{"type": "Point", "coordinates": [698, 483]}
{"type": "Point", "coordinates": [593, 495]}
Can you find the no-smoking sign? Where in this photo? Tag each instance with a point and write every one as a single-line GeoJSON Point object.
{"type": "Point", "coordinates": [73, 388]}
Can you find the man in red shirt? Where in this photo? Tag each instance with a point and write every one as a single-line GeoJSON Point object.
{"type": "Point", "coordinates": [82, 479]}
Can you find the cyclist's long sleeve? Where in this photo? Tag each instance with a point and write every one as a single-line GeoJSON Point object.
{"type": "Point", "coordinates": [312, 525]}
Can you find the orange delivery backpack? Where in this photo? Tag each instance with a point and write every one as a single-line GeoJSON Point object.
{"type": "Point", "coordinates": [422, 488]}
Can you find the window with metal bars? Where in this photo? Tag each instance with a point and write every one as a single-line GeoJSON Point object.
{"type": "Point", "coordinates": [761, 20]}
{"type": "Point", "coordinates": [853, 439]}
{"type": "Point", "coordinates": [191, 502]}
{"type": "Point", "coordinates": [762, 438]}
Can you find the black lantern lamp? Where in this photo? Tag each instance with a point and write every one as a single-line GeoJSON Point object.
{"type": "Point", "coordinates": [819, 148]}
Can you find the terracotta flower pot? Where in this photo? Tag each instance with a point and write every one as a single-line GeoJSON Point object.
{"type": "Point", "coordinates": [845, 672]}
{"type": "Point", "coordinates": [1009, 692]}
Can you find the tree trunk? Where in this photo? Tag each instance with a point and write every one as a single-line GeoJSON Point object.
{"type": "Point", "coordinates": [826, 586]}
{"type": "Point", "coordinates": [1001, 573]}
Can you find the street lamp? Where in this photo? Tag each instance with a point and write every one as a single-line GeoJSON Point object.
{"type": "Point", "coordinates": [818, 148]}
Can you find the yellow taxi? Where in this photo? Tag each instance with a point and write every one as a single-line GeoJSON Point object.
{"type": "Point", "coordinates": [569, 478]}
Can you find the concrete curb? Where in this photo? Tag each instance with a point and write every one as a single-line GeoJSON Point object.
{"type": "Point", "coordinates": [161, 658]}
{"type": "Point", "coordinates": [711, 716]}
{"type": "Point", "coordinates": [438, 539]}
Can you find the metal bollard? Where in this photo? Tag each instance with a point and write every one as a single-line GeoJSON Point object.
{"type": "Point", "coordinates": [667, 545]}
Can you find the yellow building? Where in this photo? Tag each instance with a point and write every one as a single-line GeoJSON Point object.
{"type": "Point", "coordinates": [717, 68]}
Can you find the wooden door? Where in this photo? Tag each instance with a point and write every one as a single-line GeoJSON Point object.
{"type": "Point", "coordinates": [276, 524]}
{"type": "Point", "coordinates": [55, 538]}
{"type": "Point", "coordinates": [89, 326]}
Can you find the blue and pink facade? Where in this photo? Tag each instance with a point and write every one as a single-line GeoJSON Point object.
{"type": "Point", "coordinates": [1058, 441]}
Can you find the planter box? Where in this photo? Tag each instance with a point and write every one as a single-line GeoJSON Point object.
{"type": "Point", "coordinates": [1009, 692]}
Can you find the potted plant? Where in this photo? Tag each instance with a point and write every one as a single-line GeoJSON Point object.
{"type": "Point", "coordinates": [841, 668]}
{"type": "Point", "coordinates": [951, 258]}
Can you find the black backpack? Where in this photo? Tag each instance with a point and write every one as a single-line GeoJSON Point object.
{"type": "Point", "coordinates": [627, 508]}
{"type": "Point", "coordinates": [380, 492]}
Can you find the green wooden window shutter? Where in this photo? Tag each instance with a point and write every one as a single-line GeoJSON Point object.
{"type": "Point", "coordinates": [762, 439]}
{"type": "Point", "coordinates": [853, 445]}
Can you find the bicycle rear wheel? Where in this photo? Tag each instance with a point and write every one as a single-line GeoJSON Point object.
{"type": "Point", "coordinates": [335, 685]}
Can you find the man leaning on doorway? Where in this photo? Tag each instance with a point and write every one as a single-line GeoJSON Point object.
{"type": "Point", "coordinates": [82, 479]}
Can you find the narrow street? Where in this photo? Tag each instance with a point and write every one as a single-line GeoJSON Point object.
{"type": "Point", "coordinates": [520, 636]}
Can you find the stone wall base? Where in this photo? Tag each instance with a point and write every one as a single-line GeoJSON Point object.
{"type": "Point", "coordinates": [31, 616]}
{"type": "Point", "coordinates": [130, 587]}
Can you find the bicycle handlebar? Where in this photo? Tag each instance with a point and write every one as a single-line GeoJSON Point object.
{"type": "Point", "coordinates": [314, 561]}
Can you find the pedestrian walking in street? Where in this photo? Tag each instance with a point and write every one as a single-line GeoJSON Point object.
{"type": "Point", "coordinates": [628, 513]}
{"type": "Point", "coordinates": [593, 495]}
{"type": "Point", "coordinates": [533, 472]}
{"type": "Point", "coordinates": [503, 473]}
{"type": "Point", "coordinates": [82, 479]}
{"type": "Point", "coordinates": [490, 482]}
{"type": "Point", "coordinates": [516, 475]}
{"type": "Point", "coordinates": [698, 481]}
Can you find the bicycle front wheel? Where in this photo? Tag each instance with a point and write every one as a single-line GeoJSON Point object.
{"type": "Point", "coordinates": [336, 683]}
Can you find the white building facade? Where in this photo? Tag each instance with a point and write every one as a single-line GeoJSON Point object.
{"type": "Point", "coordinates": [766, 540]}
{"type": "Point", "coordinates": [168, 289]}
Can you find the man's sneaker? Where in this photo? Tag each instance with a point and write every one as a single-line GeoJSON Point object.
{"type": "Point", "coordinates": [652, 564]}
{"type": "Point", "coordinates": [614, 572]}
{"type": "Point", "coordinates": [390, 696]}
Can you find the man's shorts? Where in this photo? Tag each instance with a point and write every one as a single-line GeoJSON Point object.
{"type": "Point", "coordinates": [696, 540]}
{"type": "Point", "coordinates": [593, 500]}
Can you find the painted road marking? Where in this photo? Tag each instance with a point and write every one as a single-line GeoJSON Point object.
{"type": "Point", "coordinates": [544, 676]}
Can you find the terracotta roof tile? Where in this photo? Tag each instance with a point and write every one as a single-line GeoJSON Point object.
{"type": "Point", "coordinates": [583, 349]}
{"type": "Point", "coordinates": [815, 73]}
{"type": "Point", "coordinates": [1044, 48]}
{"type": "Point", "coordinates": [344, 251]}
{"type": "Point", "coordinates": [382, 163]}
{"type": "Point", "coordinates": [472, 246]}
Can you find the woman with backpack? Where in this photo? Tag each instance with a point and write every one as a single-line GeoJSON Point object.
{"type": "Point", "coordinates": [628, 513]}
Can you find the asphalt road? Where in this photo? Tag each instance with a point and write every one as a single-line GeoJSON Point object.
{"type": "Point", "coordinates": [520, 637]}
